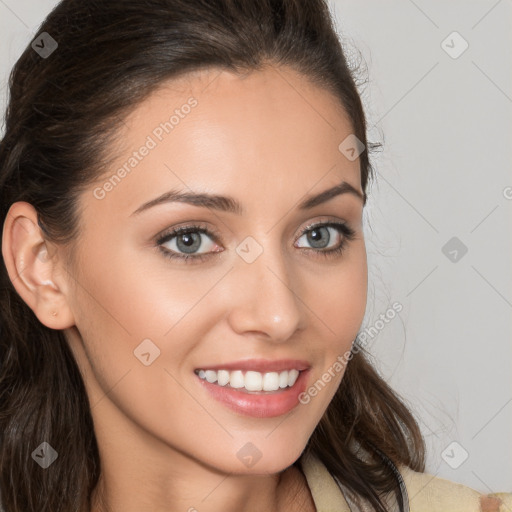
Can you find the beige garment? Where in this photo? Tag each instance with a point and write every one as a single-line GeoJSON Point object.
{"type": "Point", "coordinates": [427, 493]}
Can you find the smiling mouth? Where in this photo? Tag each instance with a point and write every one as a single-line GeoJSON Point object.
{"type": "Point", "coordinates": [251, 381]}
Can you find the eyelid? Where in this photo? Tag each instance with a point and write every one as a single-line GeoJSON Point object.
{"type": "Point", "coordinates": [189, 226]}
{"type": "Point", "coordinates": [199, 225]}
{"type": "Point", "coordinates": [342, 227]}
{"type": "Point", "coordinates": [319, 223]}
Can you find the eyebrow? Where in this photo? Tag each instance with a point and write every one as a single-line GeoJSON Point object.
{"type": "Point", "coordinates": [231, 205]}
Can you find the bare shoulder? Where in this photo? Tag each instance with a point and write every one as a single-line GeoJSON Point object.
{"type": "Point", "coordinates": [429, 493]}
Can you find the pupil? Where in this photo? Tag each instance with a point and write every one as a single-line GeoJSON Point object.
{"type": "Point", "coordinates": [188, 242]}
{"type": "Point", "coordinates": [316, 236]}
{"type": "Point", "coordinates": [188, 239]}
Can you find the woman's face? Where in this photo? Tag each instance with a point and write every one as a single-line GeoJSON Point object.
{"type": "Point", "coordinates": [258, 294]}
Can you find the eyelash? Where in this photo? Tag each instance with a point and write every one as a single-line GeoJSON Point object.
{"type": "Point", "coordinates": [347, 232]}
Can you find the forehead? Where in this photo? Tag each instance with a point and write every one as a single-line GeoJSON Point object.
{"type": "Point", "coordinates": [266, 133]}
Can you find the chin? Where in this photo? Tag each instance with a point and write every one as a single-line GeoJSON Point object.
{"type": "Point", "coordinates": [264, 458]}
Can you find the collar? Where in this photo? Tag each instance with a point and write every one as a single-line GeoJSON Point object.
{"type": "Point", "coordinates": [325, 491]}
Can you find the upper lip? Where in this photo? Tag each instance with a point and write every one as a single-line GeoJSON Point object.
{"type": "Point", "coordinates": [261, 365]}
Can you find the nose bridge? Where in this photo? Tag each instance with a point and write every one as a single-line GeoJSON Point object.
{"type": "Point", "coordinates": [264, 299]}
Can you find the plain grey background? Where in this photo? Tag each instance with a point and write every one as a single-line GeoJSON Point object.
{"type": "Point", "coordinates": [439, 98]}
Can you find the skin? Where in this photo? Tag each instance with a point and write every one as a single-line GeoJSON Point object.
{"type": "Point", "coordinates": [268, 139]}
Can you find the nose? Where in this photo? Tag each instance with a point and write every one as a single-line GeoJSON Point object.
{"type": "Point", "coordinates": [262, 299]}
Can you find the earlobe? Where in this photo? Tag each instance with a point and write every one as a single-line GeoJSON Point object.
{"type": "Point", "coordinates": [33, 273]}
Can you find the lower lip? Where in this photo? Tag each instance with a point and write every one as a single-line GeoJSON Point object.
{"type": "Point", "coordinates": [258, 405]}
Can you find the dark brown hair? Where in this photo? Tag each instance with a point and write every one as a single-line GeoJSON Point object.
{"type": "Point", "coordinates": [62, 116]}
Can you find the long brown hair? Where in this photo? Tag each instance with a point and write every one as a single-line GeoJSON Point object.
{"type": "Point", "coordinates": [62, 114]}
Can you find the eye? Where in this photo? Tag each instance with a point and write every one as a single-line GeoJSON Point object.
{"type": "Point", "coordinates": [183, 242]}
{"type": "Point", "coordinates": [186, 240]}
{"type": "Point", "coordinates": [319, 236]}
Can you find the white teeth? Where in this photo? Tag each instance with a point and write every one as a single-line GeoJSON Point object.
{"type": "Point", "coordinates": [236, 379]}
{"type": "Point", "coordinates": [271, 381]}
{"type": "Point", "coordinates": [283, 379]}
{"type": "Point", "coordinates": [211, 376]}
{"type": "Point", "coordinates": [251, 381]}
{"type": "Point", "coordinates": [222, 377]}
{"type": "Point", "coordinates": [292, 377]}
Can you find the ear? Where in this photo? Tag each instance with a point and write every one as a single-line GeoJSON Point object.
{"type": "Point", "coordinates": [35, 274]}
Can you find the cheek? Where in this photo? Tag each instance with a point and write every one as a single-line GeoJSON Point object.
{"type": "Point", "coordinates": [342, 303]}
{"type": "Point", "coordinates": [341, 308]}
{"type": "Point", "coordinates": [128, 305]}
{"type": "Point", "coordinates": [133, 295]}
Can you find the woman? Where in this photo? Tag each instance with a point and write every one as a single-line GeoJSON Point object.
{"type": "Point", "coordinates": [184, 277]}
